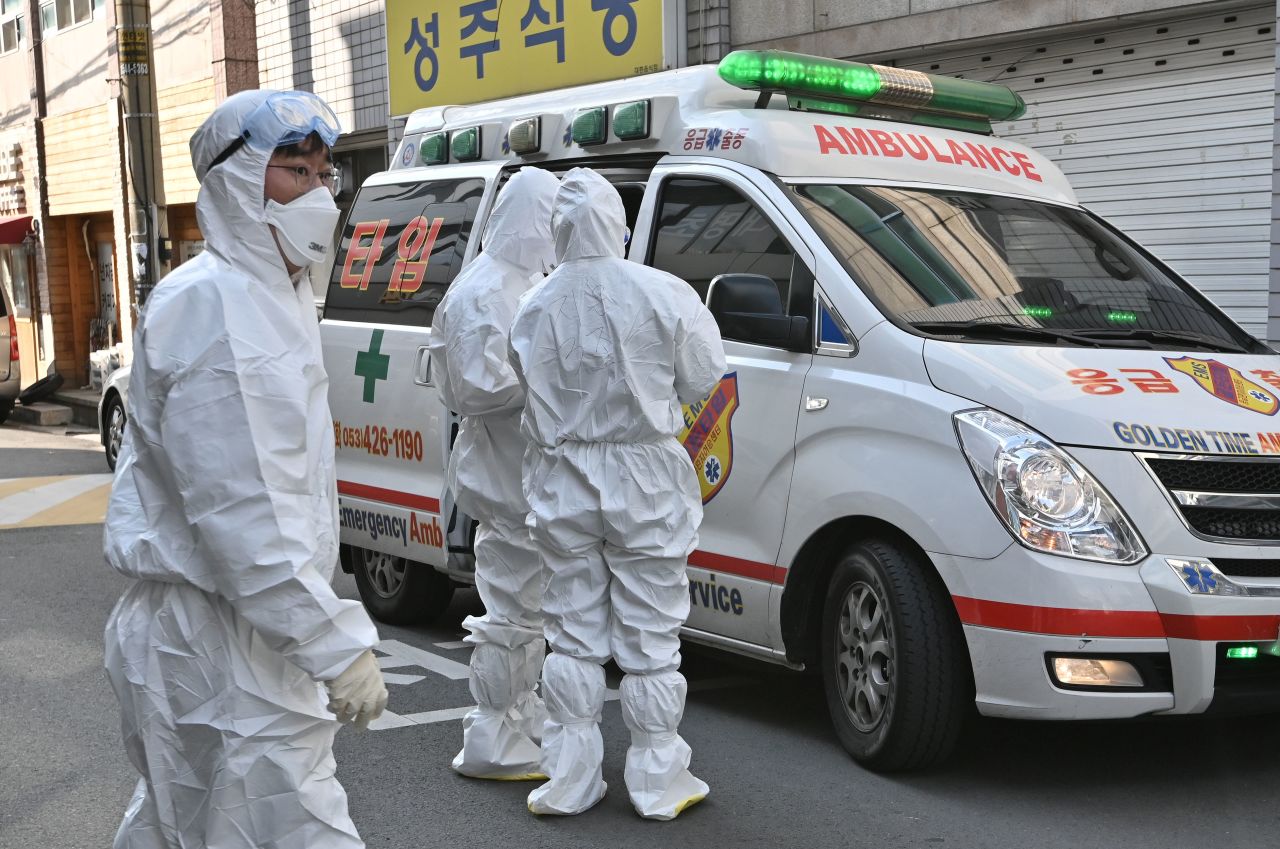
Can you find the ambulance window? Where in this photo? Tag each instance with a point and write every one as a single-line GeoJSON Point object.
{"type": "Point", "coordinates": [401, 247]}
{"type": "Point", "coordinates": [707, 228]}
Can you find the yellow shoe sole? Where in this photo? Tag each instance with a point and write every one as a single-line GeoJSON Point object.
{"type": "Point", "coordinates": [524, 776]}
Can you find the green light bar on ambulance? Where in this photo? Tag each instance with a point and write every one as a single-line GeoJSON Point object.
{"type": "Point", "coordinates": [631, 120]}
{"type": "Point", "coordinates": [465, 144]}
{"type": "Point", "coordinates": [841, 81]}
{"type": "Point", "coordinates": [434, 149]}
{"type": "Point", "coordinates": [591, 126]}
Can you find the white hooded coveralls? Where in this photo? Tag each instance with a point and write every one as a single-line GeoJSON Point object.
{"type": "Point", "coordinates": [224, 514]}
{"type": "Point", "coordinates": [608, 350]}
{"type": "Point", "coordinates": [469, 352]}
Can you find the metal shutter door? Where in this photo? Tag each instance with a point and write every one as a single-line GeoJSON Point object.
{"type": "Point", "coordinates": [1164, 128]}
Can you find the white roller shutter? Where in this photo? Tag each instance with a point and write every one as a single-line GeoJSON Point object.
{"type": "Point", "coordinates": [1165, 129]}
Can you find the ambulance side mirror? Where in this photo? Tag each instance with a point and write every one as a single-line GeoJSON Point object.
{"type": "Point", "coordinates": [748, 308]}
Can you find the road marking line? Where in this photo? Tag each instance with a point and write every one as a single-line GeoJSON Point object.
{"type": "Point", "coordinates": [431, 717]}
{"type": "Point", "coordinates": [38, 495]}
{"type": "Point", "coordinates": [397, 678]}
{"type": "Point", "coordinates": [87, 509]}
{"type": "Point", "coordinates": [390, 719]}
{"type": "Point", "coordinates": [455, 644]}
{"type": "Point", "coordinates": [407, 655]}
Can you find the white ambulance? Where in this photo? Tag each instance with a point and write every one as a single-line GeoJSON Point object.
{"type": "Point", "coordinates": [975, 446]}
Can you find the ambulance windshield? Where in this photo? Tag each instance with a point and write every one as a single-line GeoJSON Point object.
{"type": "Point", "coordinates": [1000, 269]}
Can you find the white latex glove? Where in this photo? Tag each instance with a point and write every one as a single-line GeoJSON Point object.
{"type": "Point", "coordinates": [358, 694]}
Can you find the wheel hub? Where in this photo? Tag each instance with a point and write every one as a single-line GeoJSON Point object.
{"type": "Point", "coordinates": [864, 657]}
{"type": "Point", "coordinates": [385, 572]}
{"type": "Point", "coordinates": [115, 430]}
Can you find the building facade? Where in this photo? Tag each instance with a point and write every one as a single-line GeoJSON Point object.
{"type": "Point", "coordinates": [65, 166]}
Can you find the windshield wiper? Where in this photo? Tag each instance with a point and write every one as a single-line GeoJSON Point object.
{"type": "Point", "coordinates": [1175, 337]}
{"type": "Point", "coordinates": [1004, 331]}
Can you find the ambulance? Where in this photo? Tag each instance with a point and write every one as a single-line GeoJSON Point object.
{"type": "Point", "coordinates": [975, 447]}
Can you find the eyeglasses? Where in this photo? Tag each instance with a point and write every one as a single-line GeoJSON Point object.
{"type": "Point", "coordinates": [331, 179]}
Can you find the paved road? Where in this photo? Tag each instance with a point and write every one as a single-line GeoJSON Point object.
{"type": "Point", "coordinates": [760, 738]}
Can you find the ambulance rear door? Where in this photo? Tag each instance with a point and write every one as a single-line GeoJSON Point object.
{"type": "Point", "coordinates": [406, 238]}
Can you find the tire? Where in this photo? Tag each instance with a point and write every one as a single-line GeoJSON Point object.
{"type": "Point", "coordinates": [6, 407]}
{"type": "Point", "coordinates": [41, 389]}
{"type": "Point", "coordinates": [889, 630]}
{"type": "Point", "coordinates": [396, 590]}
{"type": "Point", "coordinates": [113, 422]}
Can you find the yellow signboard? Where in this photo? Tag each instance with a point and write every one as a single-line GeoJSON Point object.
{"type": "Point", "coordinates": [467, 51]}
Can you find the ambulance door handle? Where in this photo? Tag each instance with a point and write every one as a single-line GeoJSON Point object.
{"type": "Point", "coordinates": [813, 403]}
{"type": "Point", "coordinates": [422, 367]}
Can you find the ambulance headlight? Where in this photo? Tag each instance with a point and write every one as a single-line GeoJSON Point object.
{"type": "Point", "coordinates": [1047, 500]}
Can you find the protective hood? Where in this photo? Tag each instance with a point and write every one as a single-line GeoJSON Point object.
{"type": "Point", "coordinates": [519, 228]}
{"type": "Point", "coordinates": [1191, 401]}
{"type": "Point", "coordinates": [589, 219]}
{"type": "Point", "coordinates": [230, 208]}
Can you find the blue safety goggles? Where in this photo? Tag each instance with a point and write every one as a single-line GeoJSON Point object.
{"type": "Point", "coordinates": [285, 117]}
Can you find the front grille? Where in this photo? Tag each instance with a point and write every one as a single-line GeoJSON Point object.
{"type": "Point", "coordinates": [1252, 476]}
{"type": "Point", "coordinates": [1234, 524]}
{"type": "Point", "coordinates": [1234, 567]}
{"type": "Point", "coordinates": [1218, 475]}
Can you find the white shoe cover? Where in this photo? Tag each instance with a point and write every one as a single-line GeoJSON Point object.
{"type": "Point", "coordinates": [533, 711]}
{"type": "Point", "coordinates": [495, 744]}
{"type": "Point", "coordinates": [657, 772]}
{"type": "Point", "coordinates": [572, 750]}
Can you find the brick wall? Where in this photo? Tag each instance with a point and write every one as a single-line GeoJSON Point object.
{"type": "Point", "coordinates": [335, 48]}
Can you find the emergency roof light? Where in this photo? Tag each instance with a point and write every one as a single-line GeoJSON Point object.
{"type": "Point", "coordinates": [591, 126]}
{"type": "Point", "coordinates": [813, 82]}
{"type": "Point", "coordinates": [631, 120]}
{"type": "Point", "coordinates": [465, 144]}
{"type": "Point", "coordinates": [434, 149]}
{"type": "Point", "coordinates": [525, 136]}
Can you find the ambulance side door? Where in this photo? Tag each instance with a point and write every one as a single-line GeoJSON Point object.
{"type": "Point", "coordinates": [402, 245]}
{"type": "Point", "coordinates": [705, 220]}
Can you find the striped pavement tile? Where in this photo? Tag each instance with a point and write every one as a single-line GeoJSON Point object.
{"type": "Point", "coordinates": [46, 501]}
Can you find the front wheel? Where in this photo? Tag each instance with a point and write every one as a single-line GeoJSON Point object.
{"type": "Point", "coordinates": [113, 418]}
{"type": "Point", "coordinates": [894, 663]}
{"type": "Point", "coordinates": [396, 590]}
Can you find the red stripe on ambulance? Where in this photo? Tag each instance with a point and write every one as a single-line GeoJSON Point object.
{"type": "Point", "coordinates": [1148, 624]}
{"type": "Point", "coordinates": [736, 566]}
{"type": "Point", "coordinates": [856, 141]}
{"type": "Point", "coordinates": [389, 496]}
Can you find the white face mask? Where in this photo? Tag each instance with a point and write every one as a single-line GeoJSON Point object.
{"type": "Point", "coordinates": [304, 226]}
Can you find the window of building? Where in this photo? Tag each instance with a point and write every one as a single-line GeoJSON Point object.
{"type": "Point", "coordinates": [14, 278]}
{"type": "Point", "coordinates": [64, 14]}
{"type": "Point", "coordinates": [11, 25]}
{"type": "Point", "coordinates": [401, 247]}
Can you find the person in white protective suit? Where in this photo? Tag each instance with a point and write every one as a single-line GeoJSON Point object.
{"type": "Point", "coordinates": [469, 350]}
{"type": "Point", "coordinates": [608, 350]}
{"type": "Point", "coordinates": [224, 514]}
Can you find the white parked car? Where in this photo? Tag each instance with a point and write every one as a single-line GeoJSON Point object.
{"type": "Point", "coordinates": [111, 413]}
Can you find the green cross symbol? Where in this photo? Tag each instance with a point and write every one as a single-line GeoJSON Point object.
{"type": "Point", "coordinates": [372, 366]}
